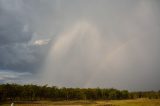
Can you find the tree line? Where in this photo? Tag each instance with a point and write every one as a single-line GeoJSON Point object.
{"type": "Point", "coordinates": [31, 92]}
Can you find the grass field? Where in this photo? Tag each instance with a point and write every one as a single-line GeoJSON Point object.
{"type": "Point", "coordinates": [137, 102]}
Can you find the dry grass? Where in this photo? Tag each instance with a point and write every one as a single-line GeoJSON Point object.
{"type": "Point", "coordinates": [137, 102]}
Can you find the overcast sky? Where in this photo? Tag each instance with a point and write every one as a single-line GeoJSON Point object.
{"type": "Point", "coordinates": [81, 43]}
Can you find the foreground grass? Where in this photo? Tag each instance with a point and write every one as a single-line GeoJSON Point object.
{"type": "Point", "coordinates": [137, 102]}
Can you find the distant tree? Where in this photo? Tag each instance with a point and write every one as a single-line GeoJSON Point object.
{"type": "Point", "coordinates": [124, 94]}
{"type": "Point", "coordinates": [35, 92]}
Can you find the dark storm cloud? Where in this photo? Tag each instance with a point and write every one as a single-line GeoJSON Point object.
{"type": "Point", "coordinates": [21, 57]}
{"type": "Point", "coordinates": [11, 29]}
{"type": "Point", "coordinates": [17, 51]}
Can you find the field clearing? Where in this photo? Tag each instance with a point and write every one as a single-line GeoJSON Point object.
{"type": "Point", "coordinates": [136, 102]}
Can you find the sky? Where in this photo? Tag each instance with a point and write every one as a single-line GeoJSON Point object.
{"type": "Point", "coordinates": [81, 43]}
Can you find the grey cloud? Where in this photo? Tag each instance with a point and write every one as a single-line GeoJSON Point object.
{"type": "Point", "coordinates": [7, 76]}
{"type": "Point", "coordinates": [127, 52]}
{"type": "Point", "coordinates": [11, 29]}
{"type": "Point", "coordinates": [91, 43]}
{"type": "Point", "coordinates": [16, 50]}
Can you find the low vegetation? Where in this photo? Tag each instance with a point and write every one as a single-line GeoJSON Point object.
{"type": "Point", "coordinates": [133, 102]}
